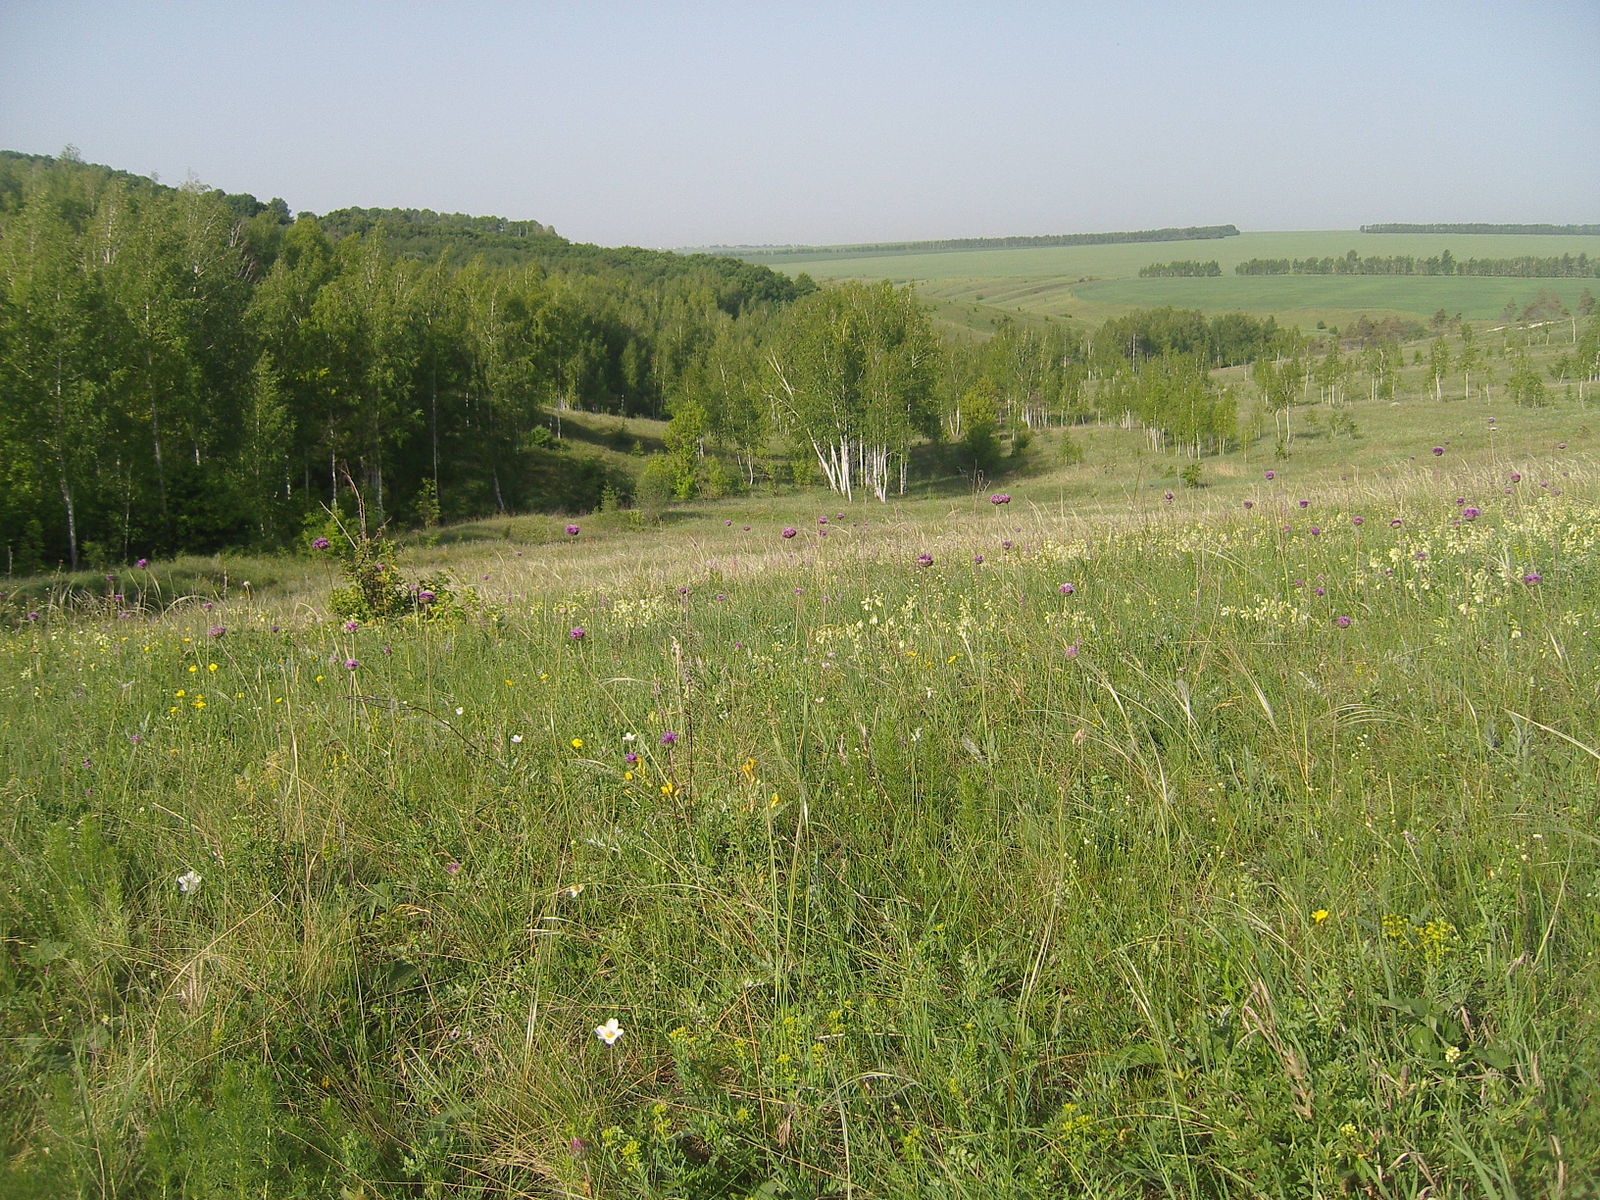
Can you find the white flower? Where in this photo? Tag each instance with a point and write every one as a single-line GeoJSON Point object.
{"type": "Point", "coordinates": [460, 711]}
{"type": "Point", "coordinates": [516, 739]}
{"type": "Point", "coordinates": [630, 737]}
{"type": "Point", "coordinates": [189, 881]}
{"type": "Point", "coordinates": [609, 1032]}
{"type": "Point", "coordinates": [574, 892]}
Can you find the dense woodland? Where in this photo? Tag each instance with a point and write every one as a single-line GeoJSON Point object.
{"type": "Point", "coordinates": [183, 370]}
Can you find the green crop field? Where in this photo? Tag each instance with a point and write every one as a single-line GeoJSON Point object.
{"type": "Point", "coordinates": [1119, 839]}
{"type": "Point", "coordinates": [1096, 282]}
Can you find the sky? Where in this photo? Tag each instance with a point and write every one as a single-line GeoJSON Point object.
{"type": "Point", "coordinates": [766, 122]}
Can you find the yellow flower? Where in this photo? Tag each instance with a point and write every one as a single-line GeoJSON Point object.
{"type": "Point", "coordinates": [211, 666]}
{"type": "Point", "coordinates": [577, 743]}
{"type": "Point", "coordinates": [1320, 915]}
{"type": "Point", "coordinates": [667, 788]}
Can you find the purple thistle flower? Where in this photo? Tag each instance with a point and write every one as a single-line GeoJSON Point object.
{"type": "Point", "coordinates": [1358, 520]}
{"type": "Point", "coordinates": [573, 530]}
{"type": "Point", "coordinates": [143, 562]}
{"type": "Point", "coordinates": [320, 543]}
{"type": "Point", "coordinates": [425, 596]}
{"type": "Point", "coordinates": [350, 664]}
{"type": "Point", "coordinates": [577, 633]}
{"type": "Point", "coordinates": [1305, 504]}
{"type": "Point", "coordinates": [630, 758]}
{"type": "Point", "coordinates": [1066, 589]}
{"type": "Point", "coordinates": [1438, 450]}
{"type": "Point", "coordinates": [789, 531]}
{"type": "Point", "coordinates": [351, 626]}
{"type": "Point", "coordinates": [924, 560]}
{"type": "Point", "coordinates": [1315, 530]}
{"type": "Point", "coordinates": [669, 738]}
{"type": "Point", "coordinates": [1006, 545]}
{"type": "Point", "coordinates": [1516, 477]}
{"type": "Point", "coordinates": [1396, 523]}
{"type": "Point", "coordinates": [1249, 503]}
{"type": "Point", "coordinates": [1342, 622]}
{"type": "Point", "coordinates": [1469, 513]}
{"type": "Point", "coordinates": [1532, 577]}
{"type": "Point", "coordinates": [1167, 497]}
{"type": "Point", "coordinates": [1000, 498]}
{"type": "Point", "coordinates": [747, 529]}
{"type": "Point", "coordinates": [1272, 474]}
{"type": "Point", "coordinates": [977, 559]}
{"type": "Point", "coordinates": [217, 631]}
{"type": "Point", "coordinates": [822, 520]}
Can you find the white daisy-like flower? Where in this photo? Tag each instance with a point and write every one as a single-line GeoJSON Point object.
{"type": "Point", "coordinates": [609, 1032]}
{"type": "Point", "coordinates": [516, 739]}
{"type": "Point", "coordinates": [189, 881]}
{"type": "Point", "coordinates": [630, 737]}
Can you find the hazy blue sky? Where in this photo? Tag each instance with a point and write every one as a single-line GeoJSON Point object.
{"type": "Point", "coordinates": [675, 124]}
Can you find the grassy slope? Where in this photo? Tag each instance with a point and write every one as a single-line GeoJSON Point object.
{"type": "Point", "coordinates": [1096, 282]}
{"type": "Point", "coordinates": [951, 883]}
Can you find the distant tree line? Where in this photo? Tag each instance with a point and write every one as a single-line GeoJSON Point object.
{"type": "Point", "coordinates": [1564, 266]}
{"type": "Point", "coordinates": [1579, 230]}
{"type": "Point", "coordinates": [1188, 233]}
{"type": "Point", "coordinates": [1181, 269]}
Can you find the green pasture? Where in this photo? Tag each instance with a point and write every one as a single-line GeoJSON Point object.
{"type": "Point", "coordinates": [1097, 282]}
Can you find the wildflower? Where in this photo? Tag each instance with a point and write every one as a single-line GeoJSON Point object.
{"type": "Point", "coordinates": [1358, 520]}
{"type": "Point", "coordinates": [1167, 496]}
{"type": "Point", "coordinates": [1320, 915]}
{"type": "Point", "coordinates": [609, 1032]}
{"type": "Point", "coordinates": [1532, 577]}
{"type": "Point", "coordinates": [1470, 513]}
{"type": "Point", "coordinates": [668, 738]}
{"type": "Point", "coordinates": [630, 737]}
{"type": "Point", "coordinates": [143, 562]}
{"type": "Point", "coordinates": [1315, 530]}
{"type": "Point", "coordinates": [577, 743]}
{"type": "Point", "coordinates": [189, 882]}
{"type": "Point", "coordinates": [1452, 1054]}
{"type": "Point", "coordinates": [977, 559]}
{"type": "Point", "coordinates": [789, 531]}
{"type": "Point", "coordinates": [822, 520]}
{"type": "Point", "coordinates": [924, 560]}
{"type": "Point", "coordinates": [747, 529]}
{"type": "Point", "coordinates": [1396, 523]}
{"type": "Point", "coordinates": [573, 530]}
{"type": "Point", "coordinates": [351, 626]}
{"type": "Point", "coordinates": [217, 631]}
{"type": "Point", "coordinates": [1006, 545]}
{"type": "Point", "coordinates": [573, 891]}
{"type": "Point", "coordinates": [1249, 503]}
{"type": "Point", "coordinates": [1516, 477]}
{"type": "Point", "coordinates": [1305, 504]}
{"type": "Point", "coordinates": [1272, 474]}
{"type": "Point", "coordinates": [1066, 589]}
{"type": "Point", "coordinates": [452, 867]}
{"type": "Point", "coordinates": [1438, 450]}
{"type": "Point", "coordinates": [1342, 622]}
{"type": "Point", "coordinates": [630, 758]}
{"type": "Point", "coordinates": [516, 739]}
{"type": "Point", "coordinates": [426, 597]}
{"type": "Point", "coordinates": [320, 543]}
{"type": "Point", "coordinates": [350, 664]}
{"type": "Point", "coordinates": [577, 633]}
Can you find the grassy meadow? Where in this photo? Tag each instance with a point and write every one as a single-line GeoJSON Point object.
{"type": "Point", "coordinates": [1122, 839]}
{"type": "Point", "coordinates": [1093, 283]}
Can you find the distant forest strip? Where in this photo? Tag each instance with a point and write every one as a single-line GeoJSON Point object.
{"type": "Point", "coordinates": [1192, 233]}
{"type": "Point", "coordinates": [1571, 230]}
{"type": "Point", "coordinates": [1564, 266]}
{"type": "Point", "coordinates": [1181, 269]}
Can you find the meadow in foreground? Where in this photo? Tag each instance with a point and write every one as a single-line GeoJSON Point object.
{"type": "Point", "coordinates": [1223, 853]}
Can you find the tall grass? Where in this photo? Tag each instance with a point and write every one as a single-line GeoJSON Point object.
{"type": "Point", "coordinates": [1260, 862]}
